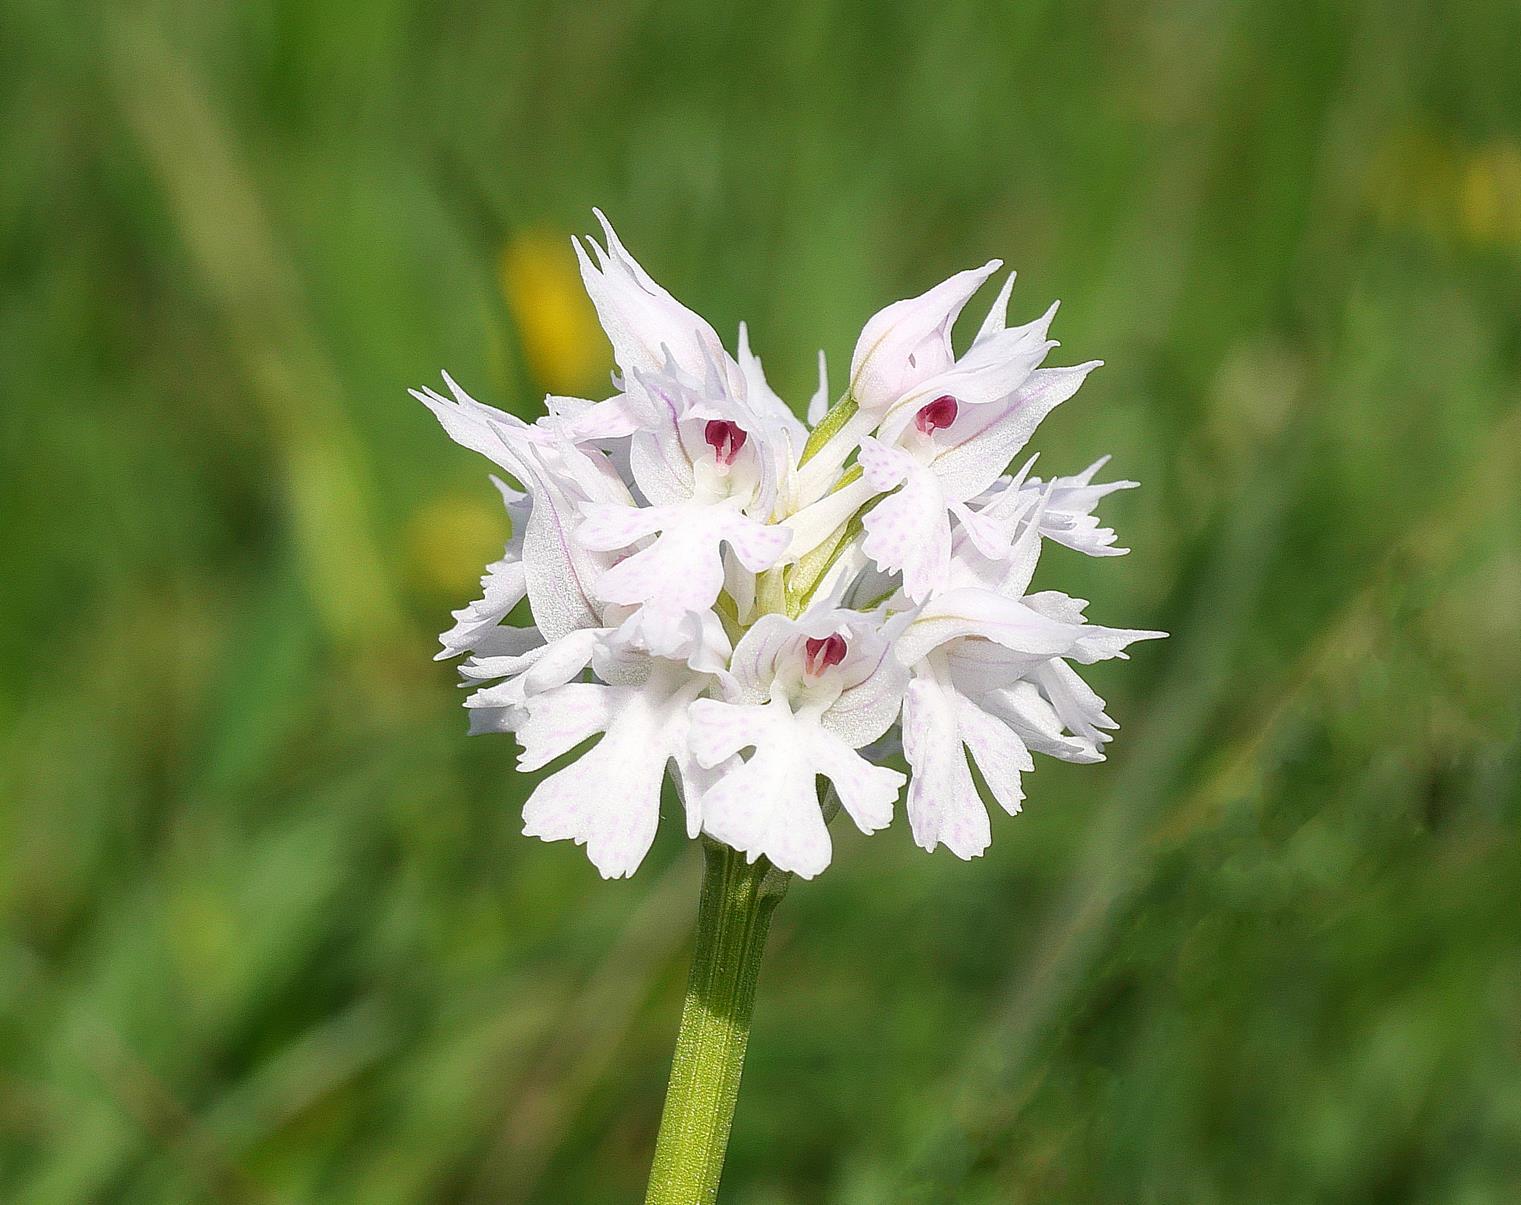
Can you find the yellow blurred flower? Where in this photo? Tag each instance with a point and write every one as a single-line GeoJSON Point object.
{"type": "Point", "coordinates": [449, 538]}
{"type": "Point", "coordinates": [1447, 189]}
{"type": "Point", "coordinates": [1492, 195]}
{"type": "Point", "coordinates": [555, 321]}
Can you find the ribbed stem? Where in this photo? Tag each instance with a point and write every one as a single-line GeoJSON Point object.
{"type": "Point", "coordinates": [732, 919]}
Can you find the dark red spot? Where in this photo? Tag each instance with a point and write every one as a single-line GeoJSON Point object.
{"type": "Point", "coordinates": [939, 413]}
{"type": "Point", "coordinates": [819, 655]}
{"type": "Point", "coordinates": [725, 438]}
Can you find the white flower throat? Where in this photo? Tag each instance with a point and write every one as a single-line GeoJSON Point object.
{"type": "Point", "coordinates": [722, 472]}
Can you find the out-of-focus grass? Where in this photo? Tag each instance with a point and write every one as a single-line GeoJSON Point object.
{"type": "Point", "coordinates": [269, 932]}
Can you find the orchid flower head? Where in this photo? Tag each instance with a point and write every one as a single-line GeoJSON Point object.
{"type": "Point", "coordinates": [758, 621]}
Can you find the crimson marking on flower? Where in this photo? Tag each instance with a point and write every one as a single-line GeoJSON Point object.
{"type": "Point", "coordinates": [939, 413]}
{"type": "Point", "coordinates": [820, 654]}
{"type": "Point", "coordinates": [725, 438]}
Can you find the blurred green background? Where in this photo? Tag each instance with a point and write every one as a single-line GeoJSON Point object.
{"type": "Point", "coordinates": [269, 930]}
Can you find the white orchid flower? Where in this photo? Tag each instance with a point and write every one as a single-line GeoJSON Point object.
{"type": "Point", "coordinates": [802, 695]}
{"type": "Point", "coordinates": [1001, 687]}
{"type": "Point", "coordinates": [945, 457]}
{"type": "Point", "coordinates": [707, 465]}
{"type": "Point", "coordinates": [972, 649]}
{"type": "Point", "coordinates": [609, 799]}
{"type": "Point", "coordinates": [560, 480]}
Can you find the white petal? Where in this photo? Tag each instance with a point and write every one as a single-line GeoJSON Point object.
{"type": "Point", "coordinates": [997, 750]}
{"type": "Point", "coordinates": [642, 320]}
{"type": "Point", "coordinates": [769, 806]}
{"type": "Point", "coordinates": [716, 730]}
{"type": "Point", "coordinates": [696, 638]}
{"type": "Point", "coordinates": [943, 804]}
{"type": "Point", "coordinates": [660, 462]}
{"type": "Point", "coordinates": [1058, 606]}
{"type": "Point", "coordinates": [560, 719]}
{"type": "Point", "coordinates": [1069, 517]}
{"type": "Point", "coordinates": [867, 792]}
{"type": "Point", "coordinates": [975, 612]}
{"type": "Point", "coordinates": [492, 720]}
{"type": "Point", "coordinates": [474, 425]}
{"type": "Point", "coordinates": [753, 666]}
{"type": "Point", "coordinates": [533, 672]}
{"type": "Point", "coordinates": [998, 312]}
{"type": "Point", "coordinates": [614, 418]}
{"type": "Point", "coordinates": [609, 798]}
{"type": "Point", "coordinates": [1037, 724]}
{"type": "Point", "coordinates": [506, 642]}
{"type": "Point", "coordinates": [761, 397]}
{"type": "Point", "coordinates": [1079, 706]}
{"type": "Point", "coordinates": [683, 571]}
{"type": "Point", "coordinates": [503, 587]}
{"type": "Point", "coordinates": [874, 684]}
{"type": "Point", "coordinates": [990, 538]}
{"type": "Point", "coordinates": [607, 528]}
{"type": "Point", "coordinates": [1099, 643]}
{"type": "Point", "coordinates": [758, 545]}
{"type": "Point", "coordinates": [882, 466]}
{"type": "Point", "coordinates": [910, 532]}
{"type": "Point", "coordinates": [910, 340]}
{"type": "Point", "coordinates": [560, 571]}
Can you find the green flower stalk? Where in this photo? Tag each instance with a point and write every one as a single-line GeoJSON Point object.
{"type": "Point", "coordinates": [733, 919]}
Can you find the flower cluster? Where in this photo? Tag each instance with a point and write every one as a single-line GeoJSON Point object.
{"type": "Point", "coordinates": [749, 604]}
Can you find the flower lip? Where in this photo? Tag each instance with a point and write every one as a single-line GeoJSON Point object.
{"type": "Point", "coordinates": [725, 438]}
{"type": "Point", "coordinates": [819, 654]}
{"type": "Point", "coordinates": [936, 414]}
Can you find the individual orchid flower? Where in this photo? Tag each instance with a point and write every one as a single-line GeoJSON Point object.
{"type": "Point", "coordinates": [925, 404]}
{"type": "Point", "coordinates": [802, 696]}
{"type": "Point", "coordinates": [560, 479]}
{"type": "Point", "coordinates": [976, 690]}
{"type": "Point", "coordinates": [708, 466]}
{"type": "Point", "coordinates": [533, 681]}
{"type": "Point", "coordinates": [998, 361]}
{"type": "Point", "coordinates": [609, 798]}
{"type": "Point", "coordinates": [947, 456]}
{"type": "Point", "coordinates": [904, 353]}
{"type": "Point", "coordinates": [990, 678]}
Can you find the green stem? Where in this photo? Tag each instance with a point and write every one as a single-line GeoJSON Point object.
{"type": "Point", "coordinates": [829, 426]}
{"type": "Point", "coordinates": [732, 919]}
